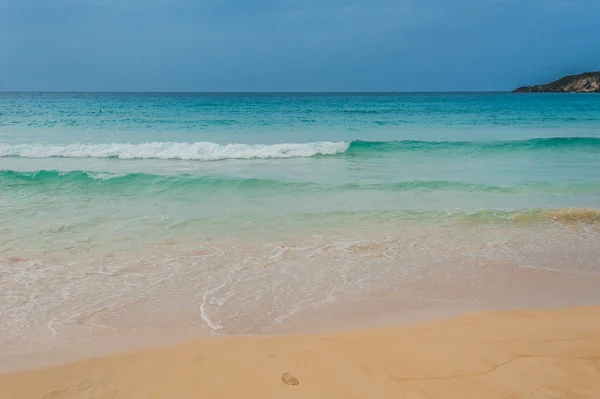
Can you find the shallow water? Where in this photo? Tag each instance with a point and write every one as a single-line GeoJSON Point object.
{"type": "Point", "coordinates": [278, 213]}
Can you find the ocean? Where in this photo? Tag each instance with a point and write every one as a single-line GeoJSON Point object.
{"type": "Point", "coordinates": [274, 213]}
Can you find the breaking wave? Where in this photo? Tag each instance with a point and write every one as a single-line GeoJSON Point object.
{"type": "Point", "coordinates": [209, 151]}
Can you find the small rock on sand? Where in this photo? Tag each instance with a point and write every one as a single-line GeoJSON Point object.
{"type": "Point", "coordinates": [289, 379]}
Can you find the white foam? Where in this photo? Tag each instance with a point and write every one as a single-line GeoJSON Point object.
{"type": "Point", "coordinates": [202, 151]}
{"type": "Point", "coordinates": [214, 326]}
{"type": "Point", "coordinates": [104, 176]}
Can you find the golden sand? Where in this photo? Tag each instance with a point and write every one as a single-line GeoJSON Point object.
{"type": "Point", "coordinates": [511, 354]}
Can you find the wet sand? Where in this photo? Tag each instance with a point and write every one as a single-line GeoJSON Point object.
{"type": "Point", "coordinates": [507, 354]}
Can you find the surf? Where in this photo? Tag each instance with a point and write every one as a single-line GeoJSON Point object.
{"type": "Point", "coordinates": [198, 151]}
{"type": "Point", "coordinates": [359, 147]}
{"type": "Point", "coordinates": [210, 151]}
{"type": "Point", "coordinates": [106, 181]}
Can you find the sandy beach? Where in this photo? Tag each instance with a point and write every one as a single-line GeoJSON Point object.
{"type": "Point", "coordinates": [507, 354]}
{"type": "Point", "coordinates": [299, 200]}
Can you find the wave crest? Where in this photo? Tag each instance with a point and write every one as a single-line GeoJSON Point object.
{"type": "Point", "coordinates": [201, 151]}
{"type": "Point", "coordinates": [148, 181]}
{"type": "Point", "coordinates": [359, 146]}
{"type": "Point", "coordinates": [209, 151]}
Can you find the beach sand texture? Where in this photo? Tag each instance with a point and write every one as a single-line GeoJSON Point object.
{"type": "Point", "coordinates": [507, 354]}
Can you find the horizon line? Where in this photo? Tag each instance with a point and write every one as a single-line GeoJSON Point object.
{"type": "Point", "coordinates": [246, 92]}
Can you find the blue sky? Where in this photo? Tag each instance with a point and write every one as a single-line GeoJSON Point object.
{"type": "Point", "coordinates": [294, 45]}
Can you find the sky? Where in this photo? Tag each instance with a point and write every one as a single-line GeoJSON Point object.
{"type": "Point", "coordinates": [294, 45]}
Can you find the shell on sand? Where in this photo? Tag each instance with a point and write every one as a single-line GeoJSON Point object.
{"type": "Point", "coordinates": [289, 379]}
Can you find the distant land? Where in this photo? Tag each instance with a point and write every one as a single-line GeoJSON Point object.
{"type": "Point", "coordinates": [588, 82]}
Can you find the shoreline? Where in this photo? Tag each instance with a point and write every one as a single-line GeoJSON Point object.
{"type": "Point", "coordinates": [73, 351]}
{"type": "Point", "coordinates": [341, 288]}
{"type": "Point", "coordinates": [498, 289]}
{"type": "Point", "coordinates": [523, 353]}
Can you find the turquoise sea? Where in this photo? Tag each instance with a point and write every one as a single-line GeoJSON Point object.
{"type": "Point", "coordinates": [257, 213]}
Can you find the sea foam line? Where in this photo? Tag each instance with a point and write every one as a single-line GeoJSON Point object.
{"type": "Point", "coordinates": [209, 151]}
{"type": "Point", "coordinates": [202, 151]}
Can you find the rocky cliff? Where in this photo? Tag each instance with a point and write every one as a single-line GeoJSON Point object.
{"type": "Point", "coordinates": [588, 82]}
